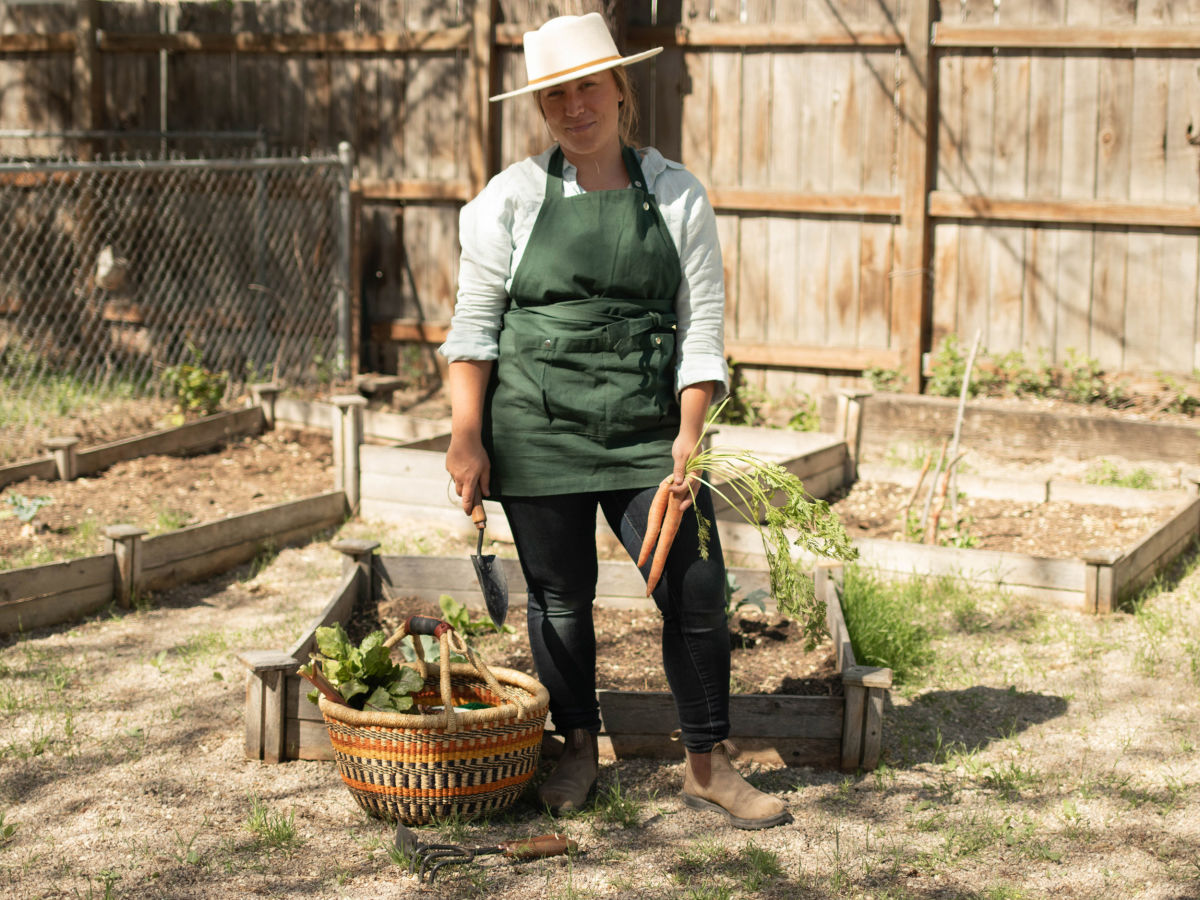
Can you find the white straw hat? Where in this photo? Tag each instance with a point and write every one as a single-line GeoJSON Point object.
{"type": "Point", "coordinates": [570, 47]}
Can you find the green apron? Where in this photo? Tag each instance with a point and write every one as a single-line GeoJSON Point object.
{"type": "Point", "coordinates": [582, 397]}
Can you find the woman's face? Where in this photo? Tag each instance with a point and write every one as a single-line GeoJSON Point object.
{"type": "Point", "coordinates": [583, 115]}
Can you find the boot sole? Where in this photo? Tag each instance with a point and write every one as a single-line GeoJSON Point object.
{"type": "Point", "coordinates": [736, 821]}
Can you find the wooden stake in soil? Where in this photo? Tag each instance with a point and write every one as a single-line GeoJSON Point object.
{"type": "Point", "coordinates": [932, 485]}
{"type": "Point", "coordinates": [962, 404]}
{"type": "Point", "coordinates": [931, 531]}
{"type": "Point", "coordinates": [913, 496]}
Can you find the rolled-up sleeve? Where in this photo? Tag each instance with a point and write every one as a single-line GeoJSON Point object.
{"type": "Point", "coordinates": [486, 237]}
{"type": "Point", "coordinates": [700, 302]}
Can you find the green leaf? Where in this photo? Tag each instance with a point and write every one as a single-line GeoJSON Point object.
{"type": "Point", "coordinates": [376, 662]}
{"type": "Point", "coordinates": [333, 642]}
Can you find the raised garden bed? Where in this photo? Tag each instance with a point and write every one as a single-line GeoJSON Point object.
{"type": "Point", "coordinates": [232, 528]}
{"type": "Point", "coordinates": [840, 729]}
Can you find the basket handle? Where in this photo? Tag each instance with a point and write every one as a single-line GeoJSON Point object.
{"type": "Point", "coordinates": [449, 639]}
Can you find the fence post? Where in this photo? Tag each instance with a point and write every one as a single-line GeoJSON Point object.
{"type": "Point", "coordinates": [264, 395]}
{"type": "Point", "coordinates": [918, 145]}
{"type": "Point", "coordinates": [848, 425]}
{"type": "Point", "coordinates": [1100, 583]}
{"type": "Point", "coordinates": [88, 74]}
{"type": "Point", "coordinates": [125, 544]}
{"type": "Point", "coordinates": [347, 435]}
{"type": "Point", "coordinates": [345, 275]}
{"type": "Point", "coordinates": [358, 554]}
{"type": "Point", "coordinates": [65, 462]}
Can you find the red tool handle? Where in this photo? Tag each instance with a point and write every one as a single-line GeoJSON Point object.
{"type": "Point", "coordinates": [538, 847]}
{"type": "Point", "coordinates": [427, 625]}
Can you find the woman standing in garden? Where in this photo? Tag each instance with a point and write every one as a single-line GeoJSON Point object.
{"type": "Point", "coordinates": [585, 350]}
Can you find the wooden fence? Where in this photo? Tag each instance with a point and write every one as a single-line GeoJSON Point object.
{"type": "Point", "coordinates": [885, 173]}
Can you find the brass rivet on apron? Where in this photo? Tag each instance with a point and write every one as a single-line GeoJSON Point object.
{"type": "Point", "coordinates": [658, 340]}
{"type": "Point", "coordinates": [637, 184]}
{"type": "Point", "coordinates": [546, 344]}
{"type": "Point", "coordinates": [645, 206]}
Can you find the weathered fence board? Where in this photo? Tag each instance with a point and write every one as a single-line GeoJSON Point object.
{"type": "Point", "coordinates": [1062, 203]}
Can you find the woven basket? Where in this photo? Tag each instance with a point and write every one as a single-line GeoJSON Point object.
{"type": "Point", "coordinates": [453, 763]}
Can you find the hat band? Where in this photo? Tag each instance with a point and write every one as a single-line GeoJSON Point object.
{"type": "Point", "coordinates": [562, 72]}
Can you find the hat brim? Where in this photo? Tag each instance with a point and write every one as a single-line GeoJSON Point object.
{"type": "Point", "coordinates": [578, 73]}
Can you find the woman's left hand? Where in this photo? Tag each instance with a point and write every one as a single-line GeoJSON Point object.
{"type": "Point", "coordinates": [693, 406]}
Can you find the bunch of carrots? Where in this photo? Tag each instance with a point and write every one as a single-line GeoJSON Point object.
{"type": "Point", "coordinates": [771, 499]}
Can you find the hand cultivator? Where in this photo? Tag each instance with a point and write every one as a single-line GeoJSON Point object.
{"type": "Point", "coordinates": [426, 859]}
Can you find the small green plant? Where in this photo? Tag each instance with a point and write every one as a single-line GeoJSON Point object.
{"type": "Point", "coordinates": [7, 829]}
{"type": "Point", "coordinates": [1080, 378]}
{"type": "Point", "coordinates": [806, 417]}
{"type": "Point", "coordinates": [1181, 401]}
{"type": "Point", "coordinates": [194, 388]}
{"type": "Point", "coordinates": [885, 380]}
{"type": "Point", "coordinates": [762, 865]}
{"type": "Point", "coordinates": [947, 366]}
{"type": "Point", "coordinates": [735, 601]}
{"type": "Point", "coordinates": [26, 508]}
{"type": "Point", "coordinates": [459, 618]}
{"type": "Point", "coordinates": [365, 675]}
{"type": "Point", "coordinates": [271, 830]}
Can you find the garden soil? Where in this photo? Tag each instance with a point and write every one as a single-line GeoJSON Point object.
{"type": "Point", "coordinates": [1047, 754]}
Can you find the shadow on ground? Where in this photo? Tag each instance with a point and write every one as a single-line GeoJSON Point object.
{"type": "Point", "coordinates": [937, 722]}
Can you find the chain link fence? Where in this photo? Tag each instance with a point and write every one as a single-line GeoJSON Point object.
{"type": "Point", "coordinates": [114, 272]}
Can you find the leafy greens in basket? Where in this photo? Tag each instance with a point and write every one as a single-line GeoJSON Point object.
{"type": "Point", "coordinates": [365, 675]}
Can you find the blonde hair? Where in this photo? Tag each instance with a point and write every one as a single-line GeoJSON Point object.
{"type": "Point", "coordinates": [627, 111]}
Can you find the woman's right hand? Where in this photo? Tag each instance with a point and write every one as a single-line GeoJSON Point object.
{"type": "Point", "coordinates": [466, 460]}
{"type": "Point", "coordinates": [469, 466]}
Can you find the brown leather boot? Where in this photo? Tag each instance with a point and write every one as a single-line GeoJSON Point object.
{"type": "Point", "coordinates": [569, 785]}
{"type": "Point", "coordinates": [710, 782]}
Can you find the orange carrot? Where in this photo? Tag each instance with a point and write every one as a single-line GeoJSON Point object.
{"type": "Point", "coordinates": [670, 526]}
{"type": "Point", "coordinates": [658, 507]}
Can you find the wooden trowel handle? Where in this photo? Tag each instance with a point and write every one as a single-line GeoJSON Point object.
{"type": "Point", "coordinates": [478, 516]}
{"type": "Point", "coordinates": [538, 847]}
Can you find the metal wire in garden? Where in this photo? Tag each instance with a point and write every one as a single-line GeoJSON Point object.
{"type": "Point", "coordinates": [114, 271]}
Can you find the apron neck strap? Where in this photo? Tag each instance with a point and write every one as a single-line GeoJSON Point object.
{"type": "Point", "coordinates": [554, 170]}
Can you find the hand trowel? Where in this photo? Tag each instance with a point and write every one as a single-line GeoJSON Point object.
{"type": "Point", "coordinates": [491, 576]}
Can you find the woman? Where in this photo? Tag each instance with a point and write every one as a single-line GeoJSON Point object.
{"type": "Point", "coordinates": [584, 352]}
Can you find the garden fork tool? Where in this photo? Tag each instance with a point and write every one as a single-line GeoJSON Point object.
{"type": "Point", "coordinates": [426, 859]}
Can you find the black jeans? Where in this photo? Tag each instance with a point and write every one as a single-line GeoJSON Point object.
{"type": "Point", "coordinates": [556, 542]}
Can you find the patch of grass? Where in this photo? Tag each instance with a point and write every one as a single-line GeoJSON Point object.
{"type": "Point", "coordinates": [169, 519]}
{"type": "Point", "coordinates": [271, 830]}
{"type": "Point", "coordinates": [887, 622]}
{"type": "Point", "coordinates": [1010, 779]}
{"type": "Point", "coordinates": [207, 645]}
{"type": "Point", "coordinates": [1106, 473]}
{"type": "Point", "coordinates": [614, 806]}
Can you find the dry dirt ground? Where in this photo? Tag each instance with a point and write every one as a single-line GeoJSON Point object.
{"type": "Point", "coordinates": [1044, 754]}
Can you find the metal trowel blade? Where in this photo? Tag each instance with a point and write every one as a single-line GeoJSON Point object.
{"type": "Point", "coordinates": [491, 576]}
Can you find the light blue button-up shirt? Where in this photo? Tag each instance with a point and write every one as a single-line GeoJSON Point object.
{"type": "Point", "coordinates": [494, 230]}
